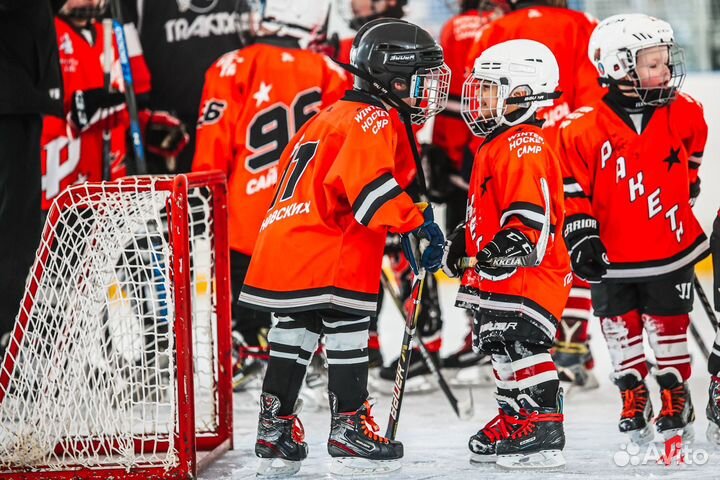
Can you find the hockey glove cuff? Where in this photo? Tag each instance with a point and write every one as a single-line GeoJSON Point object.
{"type": "Point", "coordinates": [96, 106]}
{"type": "Point", "coordinates": [587, 252]}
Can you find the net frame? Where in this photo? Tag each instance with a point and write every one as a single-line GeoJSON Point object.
{"type": "Point", "coordinates": [188, 437]}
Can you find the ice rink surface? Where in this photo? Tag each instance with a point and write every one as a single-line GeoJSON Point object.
{"type": "Point", "coordinates": [436, 441]}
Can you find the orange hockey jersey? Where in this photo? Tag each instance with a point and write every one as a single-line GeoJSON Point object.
{"type": "Point", "coordinates": [566, 33]}
{"type": "Point", "coordinates": [68, 160]}
{"type": "Point", "coordinates": [505, 192]}
{"type": "Point", "coordinates": [321, 242]}
{"type": "Point", "coordinates": [637, 186]}
{"type": "Point", "coordinates": [254, 101]}
{"type": "Point", "coordinates": [450, 131]}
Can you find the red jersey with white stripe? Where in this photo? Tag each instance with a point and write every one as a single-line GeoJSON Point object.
{"type": "Point", "coordinates": [637, 185]}
{"type": "Point", "coordinates": [66, 159]}
{"type": "Point", "coordinates": [321, 242]}
{"type": "Point", "coordinates": [506, 192]}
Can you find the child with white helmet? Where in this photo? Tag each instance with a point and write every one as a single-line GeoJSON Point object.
{"type": "Point", "coordinates": [631, 176]}
{"type": "Point", "coordinates": [521, 278]}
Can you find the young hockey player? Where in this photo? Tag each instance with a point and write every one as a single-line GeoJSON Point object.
{"type": "Point", "coordinates": [522, 278]}
{"type": "Point", "coordinates": [630, 173]}
{"type": "Point", "coordinates": [254, 100]}
{"type": "Point", "coordinates": [713, 407]}
{"type": "Point", "coordinates": [95, 130]}
{"type": "Point", "coordinates": [566, 33]}
{"type": "Point", "coordinates": [339, 194]}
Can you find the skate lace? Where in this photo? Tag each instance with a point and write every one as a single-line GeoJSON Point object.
{"type": "Point", "coordinates": [369, 427]}
{"type": "Point", "coordinates": [634, 401]}
{"type": "Point", "coordinates": [499, 427]}
{"type": "Point", "coordinates": [529, 423]}
{"type": "Point", "coordinates": [673, 401]}
{"type": "Point", "coordinates": [298, 430]}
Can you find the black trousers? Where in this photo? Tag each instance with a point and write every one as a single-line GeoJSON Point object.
{"type": "Point", "coordinates": [20, 217]}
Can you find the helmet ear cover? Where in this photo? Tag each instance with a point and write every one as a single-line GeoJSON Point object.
{"type": "Point", "coordinates": [400, 87]}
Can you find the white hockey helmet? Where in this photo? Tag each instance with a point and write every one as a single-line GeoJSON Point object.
{"type": "Point", "coordinates": [509, 66]}
{"type": "Point", "coordinates": [304, 20]}
{"type": "Point", "coordinates": [614, 47]}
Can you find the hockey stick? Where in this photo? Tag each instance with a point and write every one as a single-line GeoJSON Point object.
{"type": "Point", "coordinates": [140, 164]}
{"type": "Point", "coordinates": [698, 339]}
{"type": "Point", "coordinates": [534, 258]}
{"type": "Point", "coordinates": [405, 351]}
{"type": "Point", "coordinates": [705, 302]}
{"type": "Point", "coordinates": [108, 59]}
{"type": "Point", "coordinates": [464, 411]}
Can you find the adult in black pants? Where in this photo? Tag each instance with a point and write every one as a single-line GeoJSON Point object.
{"type": "Point", "coordinates": [30, 87]}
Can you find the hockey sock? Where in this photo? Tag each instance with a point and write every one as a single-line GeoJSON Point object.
{"type": "Point", "coordinates": [535, 373]}
{"type": "Point", "coordinates": [714, 360]}
{"type": "Point", "coordinates": [346, 345]}
{"type": "Point", "coordinates": [668, 340]}
{"type": "Point", "coordinates": [623, 335]}
{"type": "Point", "coordinates": [504, 379]}
{"type": "Point", "coordinates": [292, 344]}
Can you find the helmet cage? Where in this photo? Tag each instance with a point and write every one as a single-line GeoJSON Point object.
{"type": "Point", "coordinates": [429, 91]}
{"type": "Point", "coordinates": [660, 95]}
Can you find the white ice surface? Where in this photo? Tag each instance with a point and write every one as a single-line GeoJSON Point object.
{"type": "Point", "coordinates": [436, 441]}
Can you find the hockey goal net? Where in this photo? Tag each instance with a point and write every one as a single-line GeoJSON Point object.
{"type": "Point", "coordinates": [119, 363]}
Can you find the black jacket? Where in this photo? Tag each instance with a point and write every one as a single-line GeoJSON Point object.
{"type": "Point", "coordinates": [30, 78]}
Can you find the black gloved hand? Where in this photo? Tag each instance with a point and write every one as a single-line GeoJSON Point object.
{"type": "Point", "coordinates": [506, 243]}
{"type": "Point", "coordinates": [587, 252]}
{"type": "Point", "coordinates": [89, 107]}
{"type": "Point", "coordinates": [694, 192]}
{"type": "Point", "coordinates": [454, 251]}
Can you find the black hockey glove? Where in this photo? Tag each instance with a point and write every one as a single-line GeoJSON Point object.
{"type": "Point", "coordinates": [165, 134]}
{"type": "Point", "coordinates": [432, 254]}
{"type": "Point", "coordinates": [454, 252]}
{"type": "Point", "coordinates": [715, 249]}
{"type": "Point", "coordinates": [89, 107]}
{"type": "Point", "coordinates": [506, 243]}
{"type": "Point", "coordinates": [694, 192]}
{"type": "Point", "coordinates": [587, 252]}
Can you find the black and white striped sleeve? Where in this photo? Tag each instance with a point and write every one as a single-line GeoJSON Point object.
{"type": "Point", "coordinates": [572, 188]}
{"type": "Point", "coordinates": [373, 196]}
{"type": "Point", "coordinates": [529, 214]}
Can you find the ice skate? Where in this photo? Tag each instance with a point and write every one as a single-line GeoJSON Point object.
{"type": "Point", "coordinates": [637, 411]}
{"type": "Point", "coordinates": [713, 411]}
{"type": "Point", "coordinates": [356, 447]}
{"type": "Point", "coordinates": [280, 440]}
{"type": "Point", "coordinates": [470, 368]}
{"type": "Point", "coordinates": [573, 361]}
{"type": "Point", "coordinates": [419, 378]}
{"type": "Point", "coordinates": [677, 414]}
{"type": "Point", "coordinates": [482, 444]}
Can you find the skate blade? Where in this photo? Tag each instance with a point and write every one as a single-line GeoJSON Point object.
{"type": "Point", "coordinates": [713, 433]}
{"type": "Point", "coordinates": [544, 459]}
{"type": "Point", "coordinates": [349, 466]}
{"type": "Point", "coordinates": [687, 433]}
{"type": "Point", "coordinates": [277, 468]}
{"type": "Point", "coordinates": [479, 459]}
{"type": "Point", "coordinates": [643, 436]}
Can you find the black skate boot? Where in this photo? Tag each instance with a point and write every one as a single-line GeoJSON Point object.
{"type": "Point", "coordinates": [713, 411]}
{"type": "Point", "coordinates": [537, 441]}
{"type": "Point", "coordinates": [355, 446]}
{"type": "Point", "coordinates": [574, 362]}
{"type": "Point", "coordinates": [280, 440]}
{"type": "Point", "coordinates": [677, 412]}
{"type": "Point", "coordinates": [637, 411]}
{"type": "Point", "coordinates": [482, 444]}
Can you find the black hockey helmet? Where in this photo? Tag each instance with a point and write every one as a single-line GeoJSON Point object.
{"type": "Point", "coordinates": [86, 13]}
{"type": "Point", "coordinates": [398, 60]}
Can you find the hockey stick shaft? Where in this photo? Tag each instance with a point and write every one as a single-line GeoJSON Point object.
{"type": "Point", "coordinates": [423, 349]}
{"type": "Point", "coordinates": [108, 59]}
{"type": "Point", "coordinates": [404, 361]}
{"type": "Point", "coordinates": [705, 302]}
{"type": "Point", "coordinates": [135, 133]}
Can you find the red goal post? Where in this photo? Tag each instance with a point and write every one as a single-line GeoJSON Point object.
{"type": "Point", "coordinates": [119, 365]}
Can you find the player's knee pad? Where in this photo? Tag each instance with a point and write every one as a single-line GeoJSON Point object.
{"type": "Point", "coordinates": [346, 340]}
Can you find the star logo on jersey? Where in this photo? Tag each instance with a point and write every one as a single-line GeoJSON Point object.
{"type": "Point", "coordinates": [263, 94]}
{"type": "Point", "coordinates": [484, 185]}
{"type": "Point", "coordinates": [287, 57]}
{"type": "Point", "coordinates": [673, 158]}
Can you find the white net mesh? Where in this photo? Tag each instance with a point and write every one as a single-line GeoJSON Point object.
{"type": "Point", "coordinates": [90, 377]}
